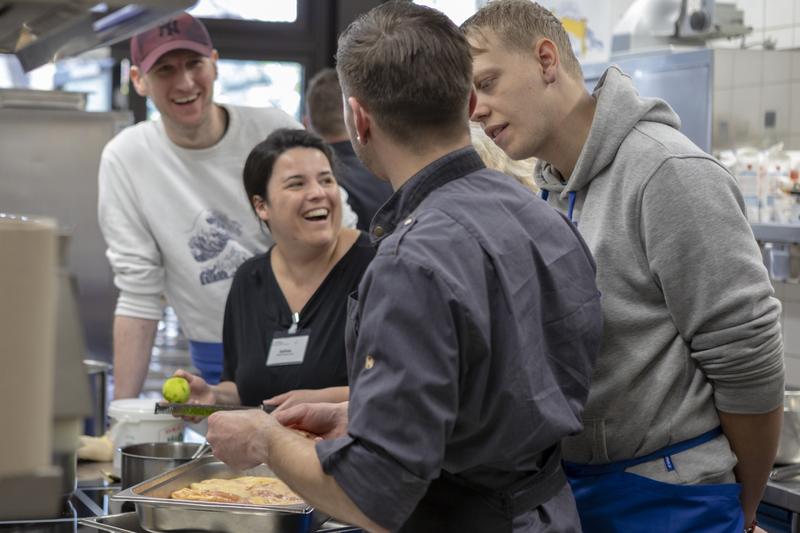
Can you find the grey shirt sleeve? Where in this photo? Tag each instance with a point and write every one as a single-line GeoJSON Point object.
{"type": "Point", "coordinates": [404, 379]}
{"type": "Point", "coordinates": [702, 254]}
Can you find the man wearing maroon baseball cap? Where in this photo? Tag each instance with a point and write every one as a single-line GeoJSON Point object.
{"type": "Point", "coordinates": [172, 207]}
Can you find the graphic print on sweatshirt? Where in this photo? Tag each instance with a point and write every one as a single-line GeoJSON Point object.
{"type": "Point", "coordinates": [213, 244]}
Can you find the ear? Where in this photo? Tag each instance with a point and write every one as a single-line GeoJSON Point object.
{"type": "Point", "coordinates": [361, 120]}
{"type": "Point", "coordinates": [473, 101]}
{"type": "Point", "coordinates": [139, 82]}
{"type": "Point", "coordinates": [261, 207]}
{"type": "Point", "coordinates": [214, 57]}
{"type": "Point", "coordinates": [546, 53]}
{"type": "Point", "coordinates": [307, 122]}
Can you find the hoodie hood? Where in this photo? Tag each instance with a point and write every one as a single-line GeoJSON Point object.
{"type": "Point", "coordinates": [619, 109]}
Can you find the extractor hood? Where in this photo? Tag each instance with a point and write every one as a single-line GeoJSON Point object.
{"type": "Point", "coordinates": [651, 24]}
{"type": "Point", "coordinates": [40, 31]}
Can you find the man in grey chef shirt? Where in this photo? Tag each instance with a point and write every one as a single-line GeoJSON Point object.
{"type": "Point", "coordinates": [473, 335]}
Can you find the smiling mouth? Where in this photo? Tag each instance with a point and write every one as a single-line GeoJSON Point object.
{"type": "Point", "coordinates": [317, 215]}
{"type": "Point", "coordinates": [494, 131]}
{"type": "Point", "coordinates": [186, 100]}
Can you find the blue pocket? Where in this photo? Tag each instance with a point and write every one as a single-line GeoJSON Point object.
{"type": "Point", "coordinates": [628, 503]}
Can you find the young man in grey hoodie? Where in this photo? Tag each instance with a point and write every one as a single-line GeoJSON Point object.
{"type": "Point", "coordinates": [687, 393]}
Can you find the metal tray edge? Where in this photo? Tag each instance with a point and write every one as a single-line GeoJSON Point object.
{"type": "Point", "coordinates": [130, 495]}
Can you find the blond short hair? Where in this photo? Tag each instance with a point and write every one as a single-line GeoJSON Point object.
{"type": "Point", "coordinates": [518, 24]}
{"type": "Point", "coordinates": [496, 159]}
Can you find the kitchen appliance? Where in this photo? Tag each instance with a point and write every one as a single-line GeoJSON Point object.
{"type": "Point", "coordinates": [29, 287]}
{"type": "Point", "coordinates": [659, 23]}
{"type": "Point", "coordinates": [50, 156]}
{"type": "Point", "coordinates": [144, 461]}
{"type": "Point", "coordinates": [47, 30]}
{"type": "Point", "coordinates": [158, 512]}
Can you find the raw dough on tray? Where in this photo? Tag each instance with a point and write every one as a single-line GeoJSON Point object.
{"type": "Point", "coordinates": [248, 489]}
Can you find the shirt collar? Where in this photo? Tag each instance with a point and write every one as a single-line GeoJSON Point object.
{"type": "Point", "coordinates": [407, 198]}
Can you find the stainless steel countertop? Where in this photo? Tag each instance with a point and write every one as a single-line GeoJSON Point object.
{"type": "Point", "coordinates": [784, 494]}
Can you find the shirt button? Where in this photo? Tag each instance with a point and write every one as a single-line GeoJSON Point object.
{"type": "Point", "coordinates": [378, 231]}
{"type": "Point", "coordinates": [369, 363]}
{"type": "Point", "coordinates": [408, 221]}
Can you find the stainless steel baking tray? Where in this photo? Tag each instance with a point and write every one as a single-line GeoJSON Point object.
{"type": "Point", "coordinates": [114, 523]}
{"type": "Point", "coordinates": [159, 513]}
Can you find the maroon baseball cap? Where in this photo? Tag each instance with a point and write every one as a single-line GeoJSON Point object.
{"type": "Point", "coordinates": [181, 33]}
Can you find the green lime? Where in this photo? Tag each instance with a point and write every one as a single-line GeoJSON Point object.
{"type": "Point", "coordinates": [175, 390]}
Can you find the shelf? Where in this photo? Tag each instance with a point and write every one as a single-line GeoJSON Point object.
{"type": "Point", "coordinates": [777, 232]}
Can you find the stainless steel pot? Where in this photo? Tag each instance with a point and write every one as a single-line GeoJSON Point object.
{"type": "Point", "coordinates": [789, 446]}
{"type": "Point", "coordinates": [143, 461]}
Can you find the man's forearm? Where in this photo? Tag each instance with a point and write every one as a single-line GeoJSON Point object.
{"type": "Point", "coordinates": [754, 440]}
{"type": "Point", "coordinates": [133, 343]}
{"type": "Point", "coordinates": [294, 459]}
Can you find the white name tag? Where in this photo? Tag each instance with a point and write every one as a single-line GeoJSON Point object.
{"type": "Point", "coordinates": [287, 349]}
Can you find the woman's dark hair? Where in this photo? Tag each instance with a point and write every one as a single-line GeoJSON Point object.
{"type": "Point", "coordinates": [259, 164]}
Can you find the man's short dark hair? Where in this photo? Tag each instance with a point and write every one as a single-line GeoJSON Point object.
{"type": "Point", "coordinates": [409, 66]}
{"type": "Point", "coordinates": [324, 104]}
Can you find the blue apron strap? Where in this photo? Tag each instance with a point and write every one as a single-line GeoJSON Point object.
{"type": "Point", "coordinates": [619, 466]}
{"type": "Point", "coordinates": [544, 194]}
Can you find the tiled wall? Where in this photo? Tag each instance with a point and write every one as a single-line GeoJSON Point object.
{"type": "Point", "coordinates": [789, 294]}
{"type": "Point", "coordinates": [747, 85]}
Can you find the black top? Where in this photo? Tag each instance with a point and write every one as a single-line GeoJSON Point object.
{"type": "Point", "coordinates": [366, 193]}
{"type": "Point", "coordinates": [256, 308]}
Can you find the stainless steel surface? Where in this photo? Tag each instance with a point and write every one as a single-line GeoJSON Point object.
{"type": "Point", "coordinates": [68, 462]}
{"type": "Point", "coordinates": [789, 445]}
{"type": "Point", "coordinates": [98, 372]}
{"type": "Point", "coordinates": [116, 523]}
{"type": "Point", "coordinates": [157, 512]}
{"type": "Point", "coordinates": [43, 31]}
{"type": "Point", "coordinates": [50, 160]}
{"type": "Point", "coordinates": [201, 450]}
{"type": "Point", "coordinates": [144, 461]}
{"type": "Point", "coordinates": [780, 473]}
{"type": "Point", "coordinates": [129, 523]}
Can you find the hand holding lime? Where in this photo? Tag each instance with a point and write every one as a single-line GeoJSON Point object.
{"type": "Point", "coordinates": [175, 390]}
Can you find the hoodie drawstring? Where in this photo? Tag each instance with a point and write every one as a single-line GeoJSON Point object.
{"type": "Point", "coordinates": [545, 194]}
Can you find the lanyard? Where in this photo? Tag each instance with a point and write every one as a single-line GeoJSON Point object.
{"type": "Point", "coordinates": [572, 195]}
{"type": "Point", "coordinates": [295, 323]}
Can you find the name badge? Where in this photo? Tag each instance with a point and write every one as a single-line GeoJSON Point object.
{"type": "Point", "coordinates": [288, 348]}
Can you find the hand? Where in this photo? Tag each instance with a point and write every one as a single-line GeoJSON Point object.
{"type": "Point", "coordinates": [295, 397]}
{"type": "Point", "coordinates": [238, 437]}
{"type": "Point", "coordinates": [199, 392]}
{"type": "Point", "coordinates": [328, 420]}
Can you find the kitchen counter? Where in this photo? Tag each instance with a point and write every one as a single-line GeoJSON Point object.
{"type": "Point", "coordinates": [784, 494]}
{"type": "Point", "coordinates": [90, 509]}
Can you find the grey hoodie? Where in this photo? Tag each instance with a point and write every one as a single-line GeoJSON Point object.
{"type": "Point", "coordinates": [691, 326]}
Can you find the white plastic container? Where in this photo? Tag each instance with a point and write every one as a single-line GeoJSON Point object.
{"type": "Point", "coordinates": [747, 176]}
{"type": "Point", "coordinates": [134, 422]}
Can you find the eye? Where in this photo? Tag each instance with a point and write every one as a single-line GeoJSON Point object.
{"type": "Point", "coordinates": [163, 70]}
{"type": "Point", "coordinates": [294, 184]}
{"type": "Point", "coordinates": [327, 180]}
{"type": "Point", "coordinates": [485, 84]}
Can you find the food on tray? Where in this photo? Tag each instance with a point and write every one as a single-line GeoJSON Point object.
{"type": "Point", "coordinates": [175, 390]}
{"type": "Point", "coordinates": [247, 489]}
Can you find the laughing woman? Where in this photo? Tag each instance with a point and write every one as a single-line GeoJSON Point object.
{"type": "Point", "coordinates": [283, 334]}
